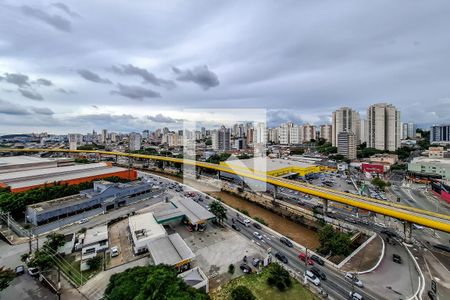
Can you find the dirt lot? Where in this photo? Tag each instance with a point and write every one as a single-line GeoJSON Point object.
{"type": "Point", "coordinates": [119, 235]}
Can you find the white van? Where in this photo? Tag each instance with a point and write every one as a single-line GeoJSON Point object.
{"type": "Point", "coordinates": [312, 278]}
{"type": "Point", "coordinates": [355, 296]}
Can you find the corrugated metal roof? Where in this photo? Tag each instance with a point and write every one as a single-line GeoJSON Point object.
{"type": "Point", "coordinates": [170, 250]}
{"type": "Point", "coordinates": [193, 211]}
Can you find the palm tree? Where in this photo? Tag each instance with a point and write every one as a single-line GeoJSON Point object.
{"type": "Point", "coordinates": [218, 210]}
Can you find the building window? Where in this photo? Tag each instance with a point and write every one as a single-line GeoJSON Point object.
{"type": "Point", "coordinates": [102, 243]}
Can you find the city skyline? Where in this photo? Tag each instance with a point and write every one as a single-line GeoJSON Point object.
{"type": "Point", "coordinates": [73, 78]}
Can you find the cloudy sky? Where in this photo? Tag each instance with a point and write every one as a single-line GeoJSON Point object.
{"type": "Point", "coordinates": [74, 66]}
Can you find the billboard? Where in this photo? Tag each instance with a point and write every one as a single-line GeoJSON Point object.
{"type": "Point", "coordinates": [372, 168]}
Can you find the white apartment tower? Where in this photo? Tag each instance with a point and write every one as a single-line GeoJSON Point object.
{"type": "Point", "coordinates": [309, 133]}
{"type": "Point", "coordinates": [383, 122]}
{"type": "Point", "coordinates": [345, 119]}
{"type": "Point", "coordinates": [135, 141]}
{"type": "Point", "coordinates": [326, 132]}
{"type": "Point", "coordinates": [284, 132]}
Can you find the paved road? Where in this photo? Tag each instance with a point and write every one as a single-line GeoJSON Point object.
{"type": "Point", "coordinates": [335, 284]}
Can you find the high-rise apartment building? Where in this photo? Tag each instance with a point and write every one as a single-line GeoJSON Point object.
{"type": "Point", "coordinates": [326, 132]}
{"type": "Point", "coordinates": [104, 137]}
{"type": "Point", "coordinates": [145, 134]}
{"type": "Point", "coordinates": [221, 139]}
{"type": "Point", "coordinates": [272, 135]}
{"type": "Point", "coordinates": [408, 131]}
{"type": "Point", "coordinates": [308, 133]}
{"type": "Point", "coordinates": [75, 140]}
{"type": "Point", "coordinates": [383, 122]}
{"type": "Point", "coordinates": [346, 144]}
{"type": "Point", "coordinates": [296, 135]}
{"type": "Point", "coordinates": [260, 133]}
{"type": "Point", "coordinates": [284, 132]}
{"type": "Point", "coordinates": [134, 141]}
{"type": "Point", "coordinates": [345, 119]}
{"type": "Point", "coordinates": [440, 134]}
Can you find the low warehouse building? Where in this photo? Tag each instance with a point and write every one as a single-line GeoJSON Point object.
{"type": "Point", "coordinates": [95, 241]}
{"type": "Point", "coordinates": [196, 279]}
{"type": "Point", "coordinates": [23, 180]}
{"type": "Point", "coordinates": [23, 163]}
{"type": "Point", "coordinates": [171, 250]}
{"type": "Point", "coordinates": [104, 196]}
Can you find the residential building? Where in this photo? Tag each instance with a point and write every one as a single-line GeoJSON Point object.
{"type": "Point", "coordinates": [75, 140]}
{"type": "Point", "coordinates": [363, 131]}
{"type": "Point", "coordinates": [383, 127]}
{"type": "Point", "coordinates": [345, 119]}
{"type": "Point", "coordinates": [145, 134]}
{"type": "Point", "coordinates": [284, 133]}
{"type": "Point", "coordinates": [296, 135]}
{"type": "Point", "coordinates": [135, 141]}
{"type": "Point", "coordinates": [346, 144]}
{"type": "Point", "coordinates": [260, 133]}
{"type": "Point", "coordinates": [326, 133]}
{"type": "Point", "coordinates": [308, 133]}
{"type": "Point", "coordinates": [221, 139]}
{"type": "Point", "coordinates": [408, 131]}
{"type": "Point", "coordinates": [104, 136]}
{"type": "Point", "coordinates": [272, 135]}
{"type": "Point", "coordinates": [440, 134]}
{"type": "Point", "coordinates": [436, 152]}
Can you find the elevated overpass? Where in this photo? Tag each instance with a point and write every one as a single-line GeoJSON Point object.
{"type": "Point", "coordinates": [405, 213]}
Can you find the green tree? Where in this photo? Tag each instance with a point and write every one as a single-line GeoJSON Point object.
{"type": "Point", "coordinates": [380, 183]}
{"type": "Point", "coordinates": [242, 293]}
{"type": "Point", "coordinates": [218, 210]}
{"type": "Point", "coordinates": [42, 260]}
{"type": "Point", "coordinates": [279, 277]}
{"type": "Point", "coordinates": [338, 243]}
{"type": "Point", "coordinates": [6, 276]}
{"type": "Point", "coordinates": [95, 262]}
{"type": "Point", "coordinates": [150, 283]}
{"type": "Point", "coordinates": [55, 240]}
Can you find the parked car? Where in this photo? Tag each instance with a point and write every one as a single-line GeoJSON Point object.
{"type": "Point", "coordinates": [280, 256]}
{"type": "Point", "coordinates": [286, 241]}
{"type": "Point", "coordinates": [257, 226]}
{"type": "Point", "coordinates": [235, 227]}
{"type": "Point", "coordinates": [245, 268]}
{"type": "Point", "coordinates": [396, 258]}
{"type": "Point", "coordinates": [82, 221]}
{"type": "Point", "coordinates": [302, 257]}
{"type": "Point", "coordinates": [355, 296]}
{"type": "Point", "coordinates": [33, 272]}
{"type": "Point", "coordinates": [319, 273]}
{"type": "Point", "coordinates": [317, 259]}
{"type": "Point", "coordinates": [20, 270]}
{"type": "Point", "coordinates": [352, 278]}
{"type": "Point", "coordinates": [312, 278]}
{"type": "Point", "coordinates": [258, 235]}
{"type": "Point", "coordinates": [256, 262]}
{"type": "Point", "coordinates": [114, 251]}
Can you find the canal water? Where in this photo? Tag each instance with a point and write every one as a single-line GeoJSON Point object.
{"type": "Point", "coordinates": [295, 231]}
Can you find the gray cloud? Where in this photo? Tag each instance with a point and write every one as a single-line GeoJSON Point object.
{"type": "Point", "coordinates": [200, 75]}
{"type": "Point", "coordinates": [65, 9]}
{"type": "Point", "coordinates": [135, 92]}
{"type": "Point", "coordinates": [9, 108]}
{"type": "Point", "coordinates": [64, 91]}
{"type": "Point", "coordinates": [56, 21]}
{"type": "Point", "coordinates": [277, 117]}
{"type": "Point", "coordinates": [18, 79]}
{"type": "Point", "coordinates": [42, 111]}
{"type": "Point", "coordinates": [91, 76]}
{"type": "Point", "coordinates": [145, 74]}
{"type": "Point", "coordinates": [30, 94]}
{"type": "Point", "coordinates": [160, 118]}
{"type": "Point", "coordinates": [44, 82]}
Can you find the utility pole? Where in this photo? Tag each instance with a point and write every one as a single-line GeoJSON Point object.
{"type": "Point", "coordinates": [58, 292]}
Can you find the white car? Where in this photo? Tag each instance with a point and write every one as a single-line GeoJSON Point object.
{"type": "Point", "coordinates": [258, 235]}
{"type": "Point", "coordinates": [352, 278]}
{"type": "Point", "coordinates": [312, 278]}
{"type": "Point", "coordinates": [355, 296]}
{"type": "Point", "coordinates": [114, 251]}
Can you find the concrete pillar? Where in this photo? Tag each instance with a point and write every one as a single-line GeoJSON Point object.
{"type": "Point", "coordinates": [408, 232]}
{"type": "Point", "coordinates": [117, 157]}
{"type": "Point", "coordinates": [325, 206]}
{"type": "Point", "coordinates": [275, 192]}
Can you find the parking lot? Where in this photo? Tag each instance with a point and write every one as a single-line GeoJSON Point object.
{"type": "Point", "coordinates": [118, 236]}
